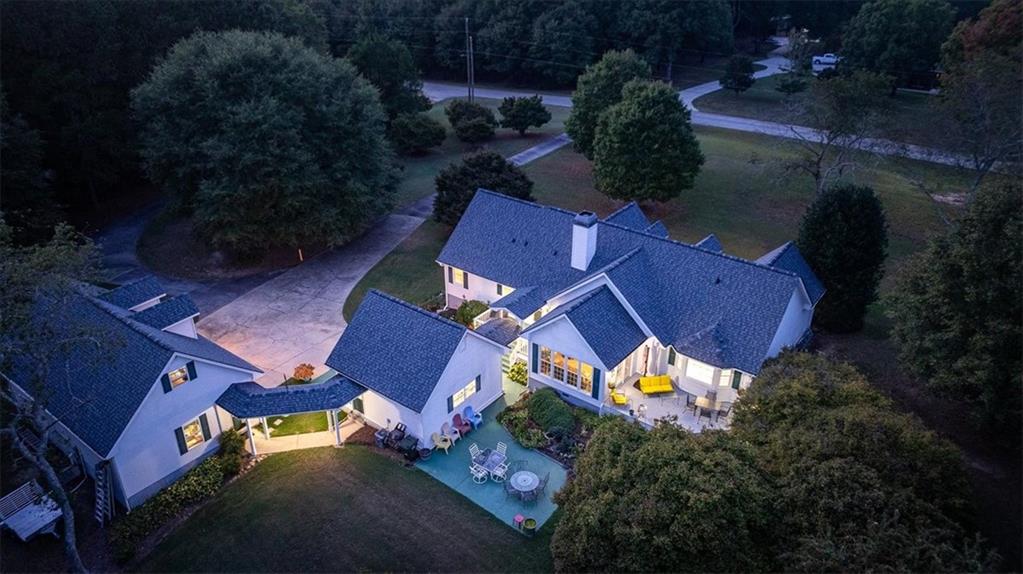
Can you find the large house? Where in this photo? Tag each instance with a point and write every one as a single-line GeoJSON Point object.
{"type": "Point", "coordinates": [595, 304]}
{"type": "Point", "coordinates": [138, 408]}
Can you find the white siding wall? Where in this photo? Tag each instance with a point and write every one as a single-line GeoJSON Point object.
{"type": "Point", "coordinates": [794, 323]}
{"type": "Point", "coordinates": [473, 357]}
{"type": "Point", "coordinates": [480, 289]}
{"type": "Point", "coordinates": [560, 335]}
{"type": "Point", "coordinates": [147, 455]}
{"type": "Point", "coordinates": [384, 413]}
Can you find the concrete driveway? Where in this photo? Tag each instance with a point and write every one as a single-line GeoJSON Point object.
{"type": "Point", "coordinates": [296, 317]}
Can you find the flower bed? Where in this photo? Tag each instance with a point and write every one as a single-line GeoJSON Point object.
{"type": "Point", "coordinates": [542, 420]}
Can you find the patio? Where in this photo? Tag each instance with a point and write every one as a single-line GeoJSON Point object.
{"type": "Point", "coordinates": [452, 469]}
{"type": "Point", "coordinates": [647, 409]}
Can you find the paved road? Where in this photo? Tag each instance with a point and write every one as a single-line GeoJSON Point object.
{"type": "Point", "coordinates": [774, 65]}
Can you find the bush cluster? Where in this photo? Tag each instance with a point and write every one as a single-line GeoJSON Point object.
{"type": "Point", "coordinates": [198, 484]}
{"type": "Point", "coordinates": [232, 452]}
{"type": "Point", "coordinates": [516, 420]}
{"type": "Point", "coordinates": [414, 134]}
{"type": "Point", "coordinates": [550, 412]}
{"type": "Point", "coordinates": [472, 122]}
{"type": "Point", "coordinates": [468, 311]}
{"type": "Point", "coordinates": [518, 374]}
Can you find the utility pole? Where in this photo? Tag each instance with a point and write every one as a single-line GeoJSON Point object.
{"type": "Point", "coordinates": [472, 70]}
{"type": "Point", "coordinates": [468, 60]}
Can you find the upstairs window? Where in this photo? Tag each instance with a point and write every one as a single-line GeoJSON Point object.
{"type": "Point", "coordinates": [500, 289]}
{"type": "Point", "coordinates": [178, 377]}
{"type": "Point", "coordinates": [458, 277]}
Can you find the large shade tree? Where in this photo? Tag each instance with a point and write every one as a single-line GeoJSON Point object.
{"type": "Point", "coordinates": [844, 238]}
{"type": "Point", "coordinates": [291, 150]}
{"type": "Point", "coordinates": [645, 148]}
{"type": "Point", "coordinates": [898, 38]}
{"type": "Point", "coordinates": [957, 311]}
{"type": "Point", "coordinates": [563, 42]}
{"type": "Point", "coordinates": [388, 65]}
{"type": "Point", "coordinates": [457, 183]}
{"type": "Point", "coordinates": [659, 501]}
{"type": "Point", "coordinates": [599, 88]}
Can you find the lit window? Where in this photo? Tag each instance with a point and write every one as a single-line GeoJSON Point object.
{"type": "Point", "coordinates": [537, 315]}
{"type": "Point", "coordinates": [559, 366]}
{"type": "Point", "coordinates": [178, 377]}
{"type": "Point", "coordinates": [573, 372]}
{"type": "Point", "coordinates": [193, 434]}
{"type": "Point", "coordinates": [500, 289]}
{"type": "Point", "coordinates": [700, 371]}
{"type": "Point", "coordinates": [545, 361]}
{"type": "Point", "coordinates": [459, 277]}
{"type": "Point", "coordinates": [587, 378]}
{"type": "Point", "coordinates": [464, 393]}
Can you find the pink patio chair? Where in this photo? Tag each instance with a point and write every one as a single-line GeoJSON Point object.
{"type": "Point", "coordinates": [451, 433]}
{"type": "Point", "coordinates": [462, 426]}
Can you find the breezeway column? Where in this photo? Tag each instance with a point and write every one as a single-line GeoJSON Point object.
{"type": "Point", "coordinates": [337, 427]}
{"type": "Point", "coordinates": [252, 439]}
{"type": "Point", "coordinates": [266, 428]}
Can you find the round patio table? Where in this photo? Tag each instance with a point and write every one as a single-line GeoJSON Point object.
{"type": "Point", "coordinates": [524, 481]}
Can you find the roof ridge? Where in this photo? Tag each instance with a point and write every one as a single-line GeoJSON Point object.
{"type": "Point", "coordinates": [776, 253]}
{"type": "Point", "coordinates": [524, 202]}
{"type": "Point", "coordinates": [430, 314]}
{"type": "Point", "coordinates": [623, 208]}
{"type": "Point", "coordinates": [140, 328]}
{"type": "Point", "coordinates": [701, 249]}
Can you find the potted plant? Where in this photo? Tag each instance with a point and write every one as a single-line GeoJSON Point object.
{"type": "Point", "coordinates": [529, 526]}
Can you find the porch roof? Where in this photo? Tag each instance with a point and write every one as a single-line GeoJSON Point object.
{"type": "Point", "coordinates": [249, 400]}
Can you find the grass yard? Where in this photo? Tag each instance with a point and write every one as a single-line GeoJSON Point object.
{"type": "Point", "coordinates": [409, 271]}
{"type": "Point", "coordinates": [693, 73]}
{"type": "Point", "coordinates": [296, 424]}
{"type": "Point", "coordinates": [419, 172]}
{"type": "Point", "coordinates": [909, 123]}
{"type": "Point", "coordinates": [352, 510]}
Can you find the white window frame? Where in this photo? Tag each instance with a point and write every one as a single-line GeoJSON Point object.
{"type": "Point", "coordinates": [184, 433]}
{"type": "Point", "coordinates": [178, 376]}
{"type": "Point", "coordinates": [463, 394]}
{"type": "Point", "coordinates": [694, 367]}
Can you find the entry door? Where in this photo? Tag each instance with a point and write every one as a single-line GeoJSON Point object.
{"type": "Point", "coordinates": [357, 405]}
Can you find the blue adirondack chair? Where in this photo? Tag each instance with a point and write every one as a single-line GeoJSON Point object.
{"type": "Point", "coordinates": [474, 418]}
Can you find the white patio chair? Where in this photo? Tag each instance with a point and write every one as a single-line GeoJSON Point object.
{"type": "Point", "coordinates": [502, 448]}
{"type": "Point", "coordinates": [479, 474]}
{"type": "Point", "coordinates": [452, 433]}
{"type": "Point", "coordinates": [474, 451]}
{"type": "Point", "coordinates": [499, 473]}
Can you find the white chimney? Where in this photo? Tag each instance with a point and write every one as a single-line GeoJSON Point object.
{"type": "Point", "coordinates": [584, 239]}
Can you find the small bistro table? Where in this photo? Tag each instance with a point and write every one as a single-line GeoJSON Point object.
{"type": "Point", "coordinates": [524, 481]}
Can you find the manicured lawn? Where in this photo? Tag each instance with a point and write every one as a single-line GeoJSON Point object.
{"type": "Point", "coordinates": [296, 424]}
{"type": "Point", "coordinates": [419, 172]}
{"type": "Point", "coordinates": [409, 272]}
{"type": "Point", "coordinates": [909, 122]}
{"type": "Point", "coordinates": [693, 73]}
{"type": "Point", "coordinates": [350, 510]}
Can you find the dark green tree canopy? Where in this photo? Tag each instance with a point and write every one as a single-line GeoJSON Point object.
{"type": "Point", "coordinates": [291, 150]}
{"type": "Point", "coordinates": [597, 90]}
{"type": "Point", "coordinates": [563, 42]}
{"type": "Point", "coordinates": [472, 122]}
{"type": "Point", "coordinates": [457, 183]}
{"type": "Point", "coordinates": [644, 147]}
{"type": "Point", "coordinates": [897, 37]}
{"type": "Point", "coordinates": [790, 84]}
{"type": "Point", "coordinates": [660, 501]}
{"type": "Point", "coordinates": [520, 114]}
{"type": "Point", "coordinates": [27, 198]}
{"type": "Point", "coordinates": [957, 310]}
{"type": "Point", "coordinates": [738, 75]}
{"type": "Point", "coordinates": [844, 238]}
{"type": "Point", "coordinates": [414, 134]}
{"type": "Point", "coordinates": [388, 65]}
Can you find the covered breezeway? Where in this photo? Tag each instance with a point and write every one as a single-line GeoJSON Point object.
{"type": "Point", "coordinates": [259, 407]}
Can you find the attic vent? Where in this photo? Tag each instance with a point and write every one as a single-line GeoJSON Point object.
{"type": "Point", "coordinates": [555, 252]}
{"type": "Point", "coordinates": [513, 240]}
{"type": "Point", "coordinates": [718, 280]}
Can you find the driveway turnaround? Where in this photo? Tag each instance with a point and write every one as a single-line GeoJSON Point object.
{"type": "Point", "coordinates": [296, 317]}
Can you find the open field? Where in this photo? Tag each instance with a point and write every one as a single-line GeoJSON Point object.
{"type": "Point", "coordinates": [909, 122]}
{"type": "Point", "coordinates": [350, 510]}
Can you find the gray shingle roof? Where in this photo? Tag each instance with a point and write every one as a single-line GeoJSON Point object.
{"type": "Point", "coordinates": [710, 243]}
{"type": "Point", "coordinates": [130, 294]}
{"type": "Point", "coordinates": [788, 257]}
{"type": "Point", "coordinates": [166, 313]}
{"type": "Point", "coordinates": [500, 331]}
{"type": "Point", "coordinates": [657, 228]}
{"type": "Point", "coordinates": [105, 384]}
{"type": "Point", "coordinates": [592, 314]}
{"type": "Point", "coordinates": [522, 301]}
{"type": "Point", "coordinates": [629, 215]}
{"type": "Point", "coordinates": [396, 349]}
{"type": "Point", "coordinates": [248, 400]}
{"type": "Point", "coordinates": [677, 289]}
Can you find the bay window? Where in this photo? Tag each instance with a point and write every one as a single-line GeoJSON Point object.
{"type": "Point", "coordinates": [586, 382]}
{"type": "Point", "coordinates": [573, 372]}
{"type": "Point", "coordinates": [559, 366]}
{"type": "Point", "coordinates": [545, 361]}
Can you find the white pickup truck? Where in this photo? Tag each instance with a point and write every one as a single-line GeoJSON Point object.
{"type": "Point", "coordinates": [826, 60]}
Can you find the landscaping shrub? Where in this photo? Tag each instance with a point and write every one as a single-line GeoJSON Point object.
{"type": "Point", "coordinates": [548, 410]}
{"type": "Point", "coordinates": [232, 449]}
{"type": "Point", "coordinates": [474, 130]}
{"type": "Point", "coordinates": [468, 311]}
{"type": "Point", "coordinates": [522, 113]}
{"type": "Point", "coordinates": [413, 134]}
{"type": "Point", "coordinates": [197, 485]}
{"type": "Point", "coordinates": [518, 373]}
